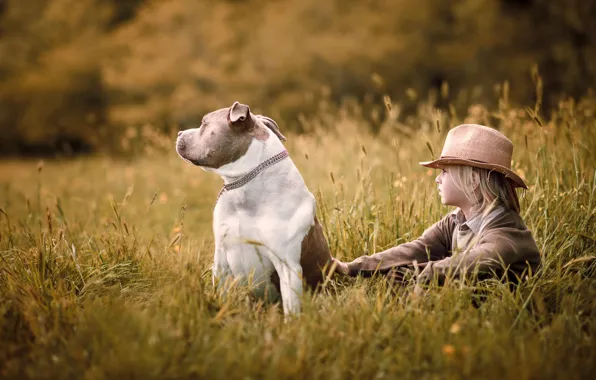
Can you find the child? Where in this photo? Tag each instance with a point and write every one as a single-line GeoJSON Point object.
{"type": "Point", "coordinates": [484, 236]}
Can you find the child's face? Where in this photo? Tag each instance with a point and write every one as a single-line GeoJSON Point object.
{"type": "Point", "coordinates": [450, 194]}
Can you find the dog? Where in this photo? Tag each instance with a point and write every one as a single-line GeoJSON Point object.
{"type": "Point", "coordinates": [265, 227]}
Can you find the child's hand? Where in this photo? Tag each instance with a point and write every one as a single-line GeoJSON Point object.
{"type": "Point", "coordinates": [340, 266]}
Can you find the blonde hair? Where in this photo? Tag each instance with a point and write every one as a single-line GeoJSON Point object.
{"type": "Point", "coordinates": [494, 188]}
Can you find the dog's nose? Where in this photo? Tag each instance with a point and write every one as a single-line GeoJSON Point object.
{"type": "Point", "coordinates": [179, 133]}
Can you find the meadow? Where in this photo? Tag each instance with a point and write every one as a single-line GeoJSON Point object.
{"type": "Point", "coordinates": [105, 262]}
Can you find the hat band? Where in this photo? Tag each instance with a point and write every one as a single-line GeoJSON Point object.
{"type": "Point", "coordinates": [471, 159]}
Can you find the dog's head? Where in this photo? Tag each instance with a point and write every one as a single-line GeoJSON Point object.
{"type": "Point", "coordinates": [224, 136]}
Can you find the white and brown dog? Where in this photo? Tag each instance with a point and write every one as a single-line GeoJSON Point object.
{"type": "Point", "coordinates": [264, 220]}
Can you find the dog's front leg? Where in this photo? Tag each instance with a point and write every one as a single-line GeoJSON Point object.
{"type": "Point", "coordinates": [222, 274]}
{"type": "Point", "coordinates": [287, 264]}
{"type": "Point", "coordinates": [290, 284]}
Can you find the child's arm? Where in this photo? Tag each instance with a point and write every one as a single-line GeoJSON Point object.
{"type": "Point", "coordinates": [434, 244]}
{"type": "Point", "coordinates": [496, 251]}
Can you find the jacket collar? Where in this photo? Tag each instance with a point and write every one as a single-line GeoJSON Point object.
{"type": "Point", "coordinates": [476, 222]}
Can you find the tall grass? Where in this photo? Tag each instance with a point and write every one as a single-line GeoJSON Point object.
{"type": "Point", "coordinates": [105, 264]}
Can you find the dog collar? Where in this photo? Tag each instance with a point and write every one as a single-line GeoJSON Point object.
{"type": "Point", "coordinates": [253, 173]}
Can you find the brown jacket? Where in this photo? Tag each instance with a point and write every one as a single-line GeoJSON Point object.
{"type": "Point", "coordinates": [497, 243]}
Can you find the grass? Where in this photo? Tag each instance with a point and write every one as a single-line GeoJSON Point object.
{"type": "Point", "coordinates": [105, 264]}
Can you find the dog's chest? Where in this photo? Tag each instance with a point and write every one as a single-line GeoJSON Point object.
{"type": "Point", "coordinates": [238, 215]}
{"type": "Point", "coordinates": [259, 212]}
{"type": "Point", "coordinates": [240, 232]}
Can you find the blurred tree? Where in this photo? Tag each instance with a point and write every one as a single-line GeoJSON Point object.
{"type": "Point", "coordinates": [564, 43]}
{"type": "Point", "coordinates": [180, 58]}
{"type": "Point", "coordinates": [68, 67]}
{"type": "Point", "coordinates": [123, 11]}
{"type": "Point", "coordinates": [51, 92]}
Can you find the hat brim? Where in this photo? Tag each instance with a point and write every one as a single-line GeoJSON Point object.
{"type": "Point", "coordinates": [508, 173]}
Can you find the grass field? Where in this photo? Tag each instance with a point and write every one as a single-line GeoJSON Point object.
{"type": "Point", "coordinates": [105, 264]}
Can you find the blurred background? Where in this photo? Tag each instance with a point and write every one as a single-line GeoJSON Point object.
{"type": "Point", "coordinates": [76, 76]}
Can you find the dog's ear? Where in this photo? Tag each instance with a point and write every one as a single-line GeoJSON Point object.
{"type": "Point", "coordinates": [239, 114]}
{"type": "Point", "coordinates": [271, 124]}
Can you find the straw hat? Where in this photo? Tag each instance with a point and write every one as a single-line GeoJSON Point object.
{"type": "Point", "coordinates": [478, 146]}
